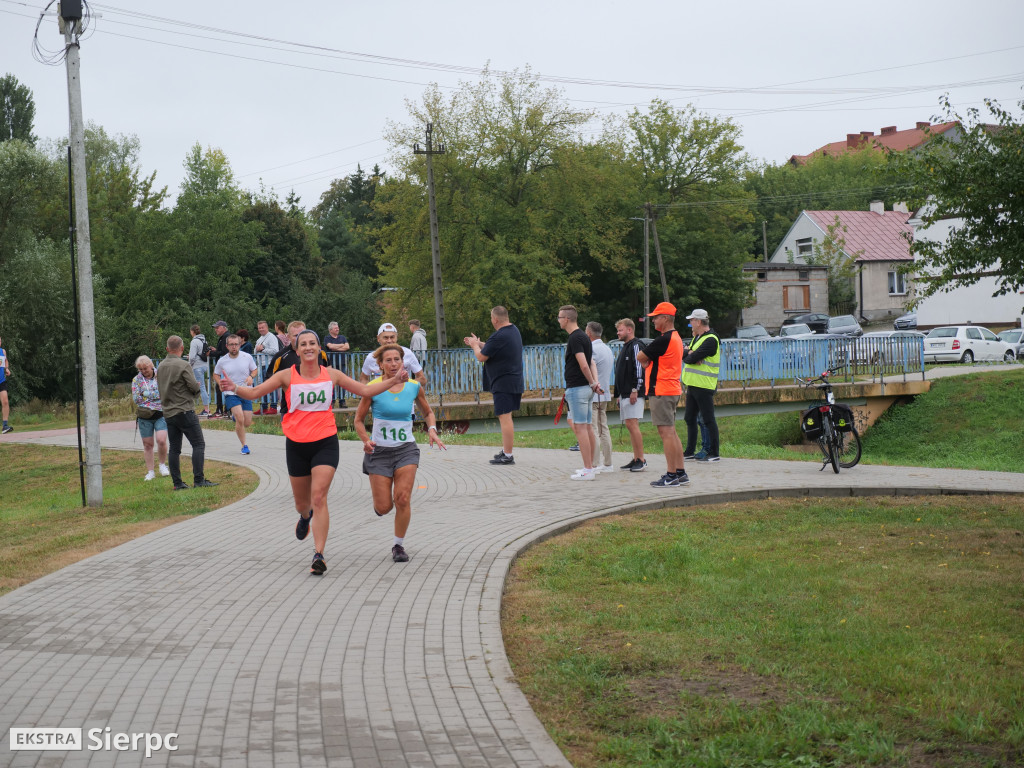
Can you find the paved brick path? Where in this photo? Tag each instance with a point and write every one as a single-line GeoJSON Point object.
{"type": "Point", "coordinates": [214, 629]}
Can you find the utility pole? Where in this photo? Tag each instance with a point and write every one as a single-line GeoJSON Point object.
{"type": "Point", "coordinates": [435, 248]}
{"type": "Point", "coordinates": [647, 272]}
{"type": "Point", "coordinates": [70, 23]}
{"type": "Point", "coordinates": [657, 251]}
{"type": "Point", "coordinates": [764, 238]}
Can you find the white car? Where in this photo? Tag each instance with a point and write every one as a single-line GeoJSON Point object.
{"type": "Point", "coordinates": [965, 344]}
{"type": "Point", "coordinates": [884, 346]}
{"type": "Point", "coordinates": [1015, 338]}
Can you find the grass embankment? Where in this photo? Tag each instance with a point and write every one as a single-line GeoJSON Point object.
{"type": "Point", "coordinates": [810, 633]}
{"type": "Point", "coordinates": [43, 526]}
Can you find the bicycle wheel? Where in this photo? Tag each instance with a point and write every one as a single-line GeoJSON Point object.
{"type": "Point", "coordinates": [832, 446]}
{"type": "Point", "coordinates": [849, 448]}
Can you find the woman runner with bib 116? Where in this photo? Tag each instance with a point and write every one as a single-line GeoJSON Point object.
{"type": "Point", "coordinates": [311, 445]}
{"type": "Point", "coordinates": [391, 452]}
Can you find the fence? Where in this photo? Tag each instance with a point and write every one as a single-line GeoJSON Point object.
{"type": "Point", "coordinates": [456, 373]}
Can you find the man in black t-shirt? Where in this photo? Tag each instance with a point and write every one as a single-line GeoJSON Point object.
{"type": "Point", "coordinates": [502, 357]}
{"type": "Point", "coordinates": [581, 383]}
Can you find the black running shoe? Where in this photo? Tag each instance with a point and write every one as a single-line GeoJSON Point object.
{"type": "Point", "coordinates": [8, 429]}
{"type": "Point", "coordinates": [628, 467]}
{"type": "Point", "coordinates": [689, 456]}
{"type": "Point", "coordinates": [302, 527]}
{"type": "Point", "coordinates": [181, 486]}
{"type": "Point", "coordinates": [501, 458]}
{"type": "Point", "coordinates": [319, 566]}
{"type": "Point", "coordinates": [666, 481]}
{"type": "Point", "coordinates": [398, 554]}
{"type": "Point", "coordinates": [640, 466]}
{"type": "Point", "coordinates": [574, 447]}
{"type": "Point", "coordinates": [682, 478]}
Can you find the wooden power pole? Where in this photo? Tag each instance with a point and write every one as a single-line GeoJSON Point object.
{"type": "Point", "coordinates": [435, 248]}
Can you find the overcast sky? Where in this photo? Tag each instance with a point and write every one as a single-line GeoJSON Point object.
{"type": "Point", "coordinates": [793, 75]}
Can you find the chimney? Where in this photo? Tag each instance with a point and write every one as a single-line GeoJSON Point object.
{"type": "Point", "coordinates": [866, 134]}
{"type": "Point", "coordinates": [888, 130]}
{"type": "Point", "coordinates": [852, 140]}
{"type": "Point", "coordinates": [877, 206]}
{"type": "Point", "coordinates": [922, 126]}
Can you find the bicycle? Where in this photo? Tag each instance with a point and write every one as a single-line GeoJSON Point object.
{"type": "Point", "coordinates": [831, 425]}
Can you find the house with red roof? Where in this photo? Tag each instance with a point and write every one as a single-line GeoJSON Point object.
{"type": "Point", "coordinates": [876, 240]}
{"type": "Point", "coordinates": [889, 138]}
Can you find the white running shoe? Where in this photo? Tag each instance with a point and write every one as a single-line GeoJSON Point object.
{"type": "Point", "coordinates": [583, 474]}
{"type": "Point", "coordinates": [149, 475]}
{"type": "Point", "coordinates": [604, 468]}
{"type": "Point", "coordinates": [164, 471]}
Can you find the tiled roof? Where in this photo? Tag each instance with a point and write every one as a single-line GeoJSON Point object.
{"type": "Point", "coordinates": [879, 235]}
{"type": "Point", "coordinates": [889, 138]}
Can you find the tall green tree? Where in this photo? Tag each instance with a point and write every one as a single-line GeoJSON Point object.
{"type": "Point", "coordinates": [527, 214]}
{"type": "Point", "coordinates": [690, 166]}
{"type": "Point", "coordinates": [17, 111]}
{"type": "Point", "coordinates": [975, 177]}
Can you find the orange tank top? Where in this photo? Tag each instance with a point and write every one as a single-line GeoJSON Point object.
{"type": "Point", "coordinates": [309, 416]}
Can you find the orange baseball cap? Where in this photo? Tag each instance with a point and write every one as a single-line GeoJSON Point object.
{"type": "Point", "coordinates": [664, 308]}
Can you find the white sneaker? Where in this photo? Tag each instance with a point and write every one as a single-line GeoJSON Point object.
{"type": "Point", "coordinates": [583, 474]}
{"type": "Point", "coordinates": [164, 471]}
{"type": "Point", "coordinates": [604, 468]}
{"type": "Point", "coordinates": [149, 475]}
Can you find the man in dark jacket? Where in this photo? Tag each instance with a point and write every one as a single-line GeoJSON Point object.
{"type": "Point", "coordinates": [629, 388]}
{"type": "Point", "coordinates": [216, 353]}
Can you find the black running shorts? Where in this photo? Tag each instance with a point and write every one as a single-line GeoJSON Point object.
{"type": "Point", "coordinates": [302, 457]}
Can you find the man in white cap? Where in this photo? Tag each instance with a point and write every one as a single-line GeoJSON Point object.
{"type": "Point", "coordinates": [388, 334]}
{"type": "Point", "coordinates": [700, 377]}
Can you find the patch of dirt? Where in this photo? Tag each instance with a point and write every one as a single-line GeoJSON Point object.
{"type": "Point", "coordinates": [657, 696]}
{"type": "Point", "coordinates": [958, 755]}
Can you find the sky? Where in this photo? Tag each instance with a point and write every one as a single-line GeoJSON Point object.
{"type": "Point", "coordinates": [297, 94]}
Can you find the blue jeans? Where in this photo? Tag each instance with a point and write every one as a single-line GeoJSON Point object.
{"type": "Point", "coordinates": [579, 399]}
{"type": "Point", "coordinates": [203, 377]}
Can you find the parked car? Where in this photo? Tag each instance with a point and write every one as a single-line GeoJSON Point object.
{"type": "Point", "coordinates": [905, 322]}
{"type": "Point", "coordinates": [965, 344]}
{"type": "Point", "coordinates": [1015, 338]}
{"type": "Point", "coordinates": [797, 329]}
{"type": "Point", "coordinates": [844, 325]}
{"type": "Point", "coordinates": [756, 331]}
{"type": "Point", "coordinates": [883, 346]}
{"type": "Point", "coordinates": [816, 321]}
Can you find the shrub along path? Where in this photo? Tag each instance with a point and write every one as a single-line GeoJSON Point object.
{"type": "Point", "coordinates": [214, 629]}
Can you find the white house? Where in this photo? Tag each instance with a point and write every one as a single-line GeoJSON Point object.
{"type": "Point", "coordinates": [973, 304]}
{"type": "Point", "coordinates": [877, 241]}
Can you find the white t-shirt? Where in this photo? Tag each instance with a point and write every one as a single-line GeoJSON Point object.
{"type": "Point", "coordinates": [236, 368]}
{"type": "Point", "coordinates": [409, 360]}
{"type": "Point", "coordinates": [271, 344]}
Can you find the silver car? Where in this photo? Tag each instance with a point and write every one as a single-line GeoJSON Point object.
{"type": "Point", "coordinates": [1015, 338]}
{"type": "Point", "coordinates": [965, 344]}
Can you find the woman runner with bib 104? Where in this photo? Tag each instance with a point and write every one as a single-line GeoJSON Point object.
{"type": "Point", "coordinates": [311, 445]}
{"type": "Point", "coordinates": [391, 452]}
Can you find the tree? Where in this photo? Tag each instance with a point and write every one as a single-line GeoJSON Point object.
{"type": "Point", "coordinates": [976, 178]}
{"type": "Point", "coordinates": [527, 213]}
{"type": "Point", "coordinates": [691, 166]}
{"type": "Point", "coordinates": [17, 111]}
{"type": "Point", "coordinates": [29, 181]}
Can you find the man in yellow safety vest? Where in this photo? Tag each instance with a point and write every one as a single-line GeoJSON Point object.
{"type": "Point", "coordinates": [700, 377]}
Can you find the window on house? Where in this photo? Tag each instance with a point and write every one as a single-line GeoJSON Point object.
{"type": "Point", "coordinates": [804, 274]}
{"type": "Point", "coordinates": [804, 247]}
{"type": "Point", "coordinates": [762, 276]}
{"type": "Point", "coordinates": [897, 283]}
{"type": "Point", "coordinates": [796, 298]}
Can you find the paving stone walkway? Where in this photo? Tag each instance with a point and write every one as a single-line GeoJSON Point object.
{"type": "Point", "coordinates": [213, 628]}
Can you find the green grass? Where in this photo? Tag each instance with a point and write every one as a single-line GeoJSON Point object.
{"type": "Point", "coordinates": [43, 526]}
{"type": "Point", "coordinates": [969, 422]}
{"type": "Point", "coordinates": [818, 633]}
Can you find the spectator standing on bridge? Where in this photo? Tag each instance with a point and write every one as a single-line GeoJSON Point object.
{"type": "Point", "coordinates": [581, 383]}
{"type": "Point", "coordinates": [388, 334]}
{"type": "Point", "coordinates": [502, 356]}
{"type": "Point", "coordinates": [664, 360]}
{"type": "Point", "coordinates": [604, 361]}
{"type": "Point", "coordinates": [700, 375]}
{"type": "Point", "coordinates": [200, 367]}
{"type": "Point", "coordinates": [269, 345]}
{"type": "Point", "coordinates": [418, 342]}
{"type": "Point", "coordinates": [629, 387]}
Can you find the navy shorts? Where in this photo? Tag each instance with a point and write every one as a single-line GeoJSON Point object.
{"type": "Point", "coordinates": [302, 457]}
{"type": "Point", "coordinates": [230, 401]}
{"type": "Point", "coordinates": [506, 402]}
